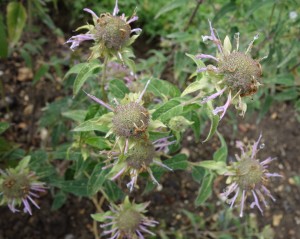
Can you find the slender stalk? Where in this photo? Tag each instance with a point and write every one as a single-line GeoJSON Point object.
{"type": "Point", "coordinates": [199, 2]}
{"type": "Point", "coordinates": [3, 96]}
{"type": "Point", "coordinates": [103, 79]}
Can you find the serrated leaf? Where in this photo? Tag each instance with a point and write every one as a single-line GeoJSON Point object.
{"type": "Point", "coordinates": [87, 70]}
{"type": "Point", "coordinates": [168, 110]}
{"type": "Point", "coordinates": [16, 19]}
{"type": "Point", "coordinates": [97, 179]}
{"type": "Point", "coordinates": [205, 189]}
{"type": "Point", "coordinates": [118, 88]}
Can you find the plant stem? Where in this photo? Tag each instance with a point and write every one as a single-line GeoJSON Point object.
{"type": "Point", "coordinates": [199, 2]}
{"type": "Point", "coordinates": [103, 79]}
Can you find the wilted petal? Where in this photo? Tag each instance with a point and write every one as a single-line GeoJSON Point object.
{"type": "Point", "coordinates": [213, 96]}
{"type": "Point", "coordinates": [91, 12]}
{"type": "Point", "coordinates": [224, 107]}
{"type": "Point", "coordinates": [76, 40]}
{"type": "Point", "coordinates": [116, 9]}
{"type": "Point", "coordinates": [134, 18]}
{"type": "Point", "coordinates": [203, 56]}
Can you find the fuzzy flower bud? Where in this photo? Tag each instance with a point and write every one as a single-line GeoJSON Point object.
{"type": "Point", "coordinates": [248, 177]}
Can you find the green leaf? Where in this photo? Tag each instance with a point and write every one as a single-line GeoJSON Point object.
{"type": "Point", "coordinates": [16, 19]}
{"type": "Point", "coordinates": [76, 115]}
{"type": "Point", "coordinates": [118, 88]}
{"type": "Point", "coordinates": [177, 162]}
{"type": "Point", "coordinates": [162, 88]}
{"type": "Point", "coordinates": [205, 189]}
{"type": "Point", "coordinates": [88, 69]}
{"type": "Point", "coordinates": [198, 173]}
{"type": "Point", "coordinates": [197, 85]}
{"type": "Point", "coordinates": [77, 187]}
{"type": "Point", "coordinates": [112, 190]}
{"type": "Point", "coordinates": [214, 119]}
{"type": "Point", "coordinates": [221, 154]}
{"type": "Point", "coordinates": [98, 142]}
{"type": "Point", "coordinates": [59, 200]}
{"type": "Point", "coordinates": [3, 40]}
{"type": "Point", "coordinates": [219, 167]}
{"type": "Point", "coordinates": [43, 69]}
{"type": "Point", "coordinates": [168, 110]}
{"type": "Point", "coordinates": [3, 126]}
{"type": "Point", "coordinates": [96, 180]}
{"type": "Point", "coordinates": [230, 7]}
{"type": "Point", "coordinates": [97, 123]}
{"type": "Point", "coordinates": [198, 62]}
{"type": "Point", "coordinates": [285, 95]}
{"type": "Point", "coordinates": [169, 7]}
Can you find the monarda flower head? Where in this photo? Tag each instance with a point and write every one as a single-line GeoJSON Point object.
{"type": "Point", "coordinates": [239, 73]}
{"type": "Point", "coordinates": [248, 177]}
{"type": "Point", "coordinates": [126, 221]}
{"type": "Point", "coordinates": [141, 154]}
{"type": "Point", "coordinates": [20, 187]}
{"type": "Point", "coordinates": [130, 118]}
{"type": "Point", "coordinates": [110, 32]}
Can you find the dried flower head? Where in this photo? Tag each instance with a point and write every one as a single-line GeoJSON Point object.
{"type": "Point", "coordinates": [240, 73]}
{"type": "Point", "coordinates": [248, 176]}
{"type": "Point", "coordinates": [17, 188]}
{"type": "Point", "coordinates": [110, 32]}
{"type": "Point", "coordinates": [126, 220]}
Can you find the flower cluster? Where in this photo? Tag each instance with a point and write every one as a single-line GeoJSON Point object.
{"type": "Point", "coordinates": [135, 153]}
{"type": "Point", "coordinates": [20, 187]}
{"type": "Point", "coordinates": [126, 220]}
{"type": "Point", "coordinates": [248, 176]}
{"type": "Point", "coordinates": [239, 73]}
{"type": "Point", "coordinates": [110, 32]}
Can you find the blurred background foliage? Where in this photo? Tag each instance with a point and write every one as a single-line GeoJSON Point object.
{"type": "Point", "coordinates": [170, 30]}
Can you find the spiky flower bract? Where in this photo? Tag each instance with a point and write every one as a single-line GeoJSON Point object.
{"type": "Point", "coordinates": [20, 186]}
{"type": "Point", "coordinates": [236, 73]}
{"type": "Point", "coordinates": [248, 177]}
{"type": "Point", "coordinates": [110, 32]}
{"type": "Point", "coordinates": [126, 220]}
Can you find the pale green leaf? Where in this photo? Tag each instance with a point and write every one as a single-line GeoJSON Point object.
{"type": "Point", "coordinates": [16, 19]}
